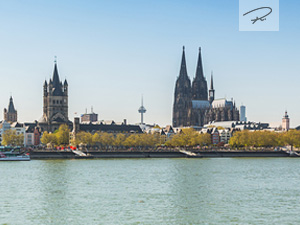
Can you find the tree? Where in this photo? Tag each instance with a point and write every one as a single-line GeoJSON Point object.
{"type": "Point", "coordinates": [45, 139]}
{"type": "Point", "coordinates": [204, 139]}
{"type": "Point", "coordinates": [131, 141]}
{"type": "Point", "coordinates": [189, 137]}
{"type": "Point", "coordinates": [292, 138]}
{"type": "Point", "coordinates": [96, 139]}
{"type": "Point", "coordinates": [235, 141]}
{"type": "Point", "coordinates": [10, 137]}
{"type": "Point", "coordinates": [50, 139]}
{"type": "Point", "coordinates": [255, 139]}
{"type": "Point", "coordinates": [281, 139]}
{"type": "Point", "coordinates": [103, 139]}
{"type": "Point", "coordinates": [107, 139]}
{"type": "Point", "coordinates": [119, 140]}
{"type": "Point", "coordinates": [63, 135]}
{"type": "Point", "coordinates": [83, 138]}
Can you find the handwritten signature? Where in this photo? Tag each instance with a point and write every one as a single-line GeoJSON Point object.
{"type": "Point", "coordinates": [259, 18]}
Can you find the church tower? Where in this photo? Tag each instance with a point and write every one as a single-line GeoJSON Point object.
{"type": "Point", "coordinates": [199, 86]}
{"type": "Point", "coordinates": [286, 122]}
{"type": "Point", "coordinates": [55, 103]}
{"type": "Point", "coordinates": [11, 114]}
{"type": "Point", "coordinates": [182, 97]}
{"type": "Point", "coordinates": [211, 97]}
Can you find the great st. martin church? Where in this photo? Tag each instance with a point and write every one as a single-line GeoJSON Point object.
{"type": "Point", "coordinates": [55, 103]}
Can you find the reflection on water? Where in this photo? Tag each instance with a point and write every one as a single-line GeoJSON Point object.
{"type": "Point", "coordinates": [151, 191]}
{"type": "Point", "coordinates": [53, 193]}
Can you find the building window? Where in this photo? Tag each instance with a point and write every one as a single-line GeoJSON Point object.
{"type": "Point", "coordinates": [53, 101]}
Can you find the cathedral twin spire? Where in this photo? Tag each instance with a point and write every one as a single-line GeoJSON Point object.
{"type": "Point", "coordinates": [193, 103]}
{"type": "Point", "coordinates": [183, 71]}
{"type": "Point", "coordinates": [185, 92]}
{"type": "Point", "coordinates": [182, 97]}
{"type": "Point", "coordinates": [199, 70]}
{"type": "Point", "coordinates": [199, 84]}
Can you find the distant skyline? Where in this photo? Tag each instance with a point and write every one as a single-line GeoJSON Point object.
{"type": "Point", "coordinates": [112, 52]}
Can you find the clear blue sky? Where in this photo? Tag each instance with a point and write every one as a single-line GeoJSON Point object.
{"type": "Point", "coordinates": [111, 52]}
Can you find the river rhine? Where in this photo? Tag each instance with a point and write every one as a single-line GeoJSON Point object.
{"type": "Point", "coordinates": [151, 191]}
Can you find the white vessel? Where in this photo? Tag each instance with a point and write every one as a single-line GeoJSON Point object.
{"type": "Point", "coordinates": [14, 156]}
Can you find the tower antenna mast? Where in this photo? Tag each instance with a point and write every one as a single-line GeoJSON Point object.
{"type": "Point", "coordinates": [142, 110]}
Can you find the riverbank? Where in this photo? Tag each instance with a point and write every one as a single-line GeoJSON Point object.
{"type": "Point", "coordinates": [163, 154]}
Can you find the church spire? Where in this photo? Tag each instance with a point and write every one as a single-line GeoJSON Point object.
{"type": "Point", "coordinates": [55, 78]}
{"type": "Point", "coordinates": [211, 97]}
{"type": "Point", "coordinates": [199, 70]}
{"type": "Point", "coordinates": [11, 107]}
{"type": "Point", "coordinates": [211, 81]}
{"type": "Point", "coordinates": [55, 83]}
{"type": "Point", "coordinates": [182, 97]}
{"type": "Point", "coordinates": [199, 85]}
{"type": "Point", "coordinates": [10, 114]}
{"type": "Point", "coordinates": [183, 71]}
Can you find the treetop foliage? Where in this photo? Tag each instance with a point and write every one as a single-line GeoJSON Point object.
{"type": "Point", "coordinates": [59, 137]}
{"type": "Point", "coordinates": [10, 137]}
{"type": "Point", "coordinates": [247, 138]}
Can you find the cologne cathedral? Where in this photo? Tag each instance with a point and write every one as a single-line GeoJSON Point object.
{"type": "Point", "coordinates": [194, 105]}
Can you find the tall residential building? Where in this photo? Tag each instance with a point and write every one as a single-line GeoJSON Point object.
{"type": "Point", "coordinates": [10, 114]}
{"type": "Point", "coordinates": [55, 103]}
{"type": "Point", "coordinates": [243, 113]}
{"type": "Point", "coordinates": [285, 122]}
{"type": "Point", "coordinates": [192, 104]}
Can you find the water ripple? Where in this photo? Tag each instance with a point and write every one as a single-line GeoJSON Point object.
{"type": "Point", "coordinates": [151, 191]}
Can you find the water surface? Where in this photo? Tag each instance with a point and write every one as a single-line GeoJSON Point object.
{"type": "Point", "coordinates": [151, 191]}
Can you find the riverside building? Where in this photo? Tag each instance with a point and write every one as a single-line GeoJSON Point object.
{"type": "Point", "coordinates": [89, 117]}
